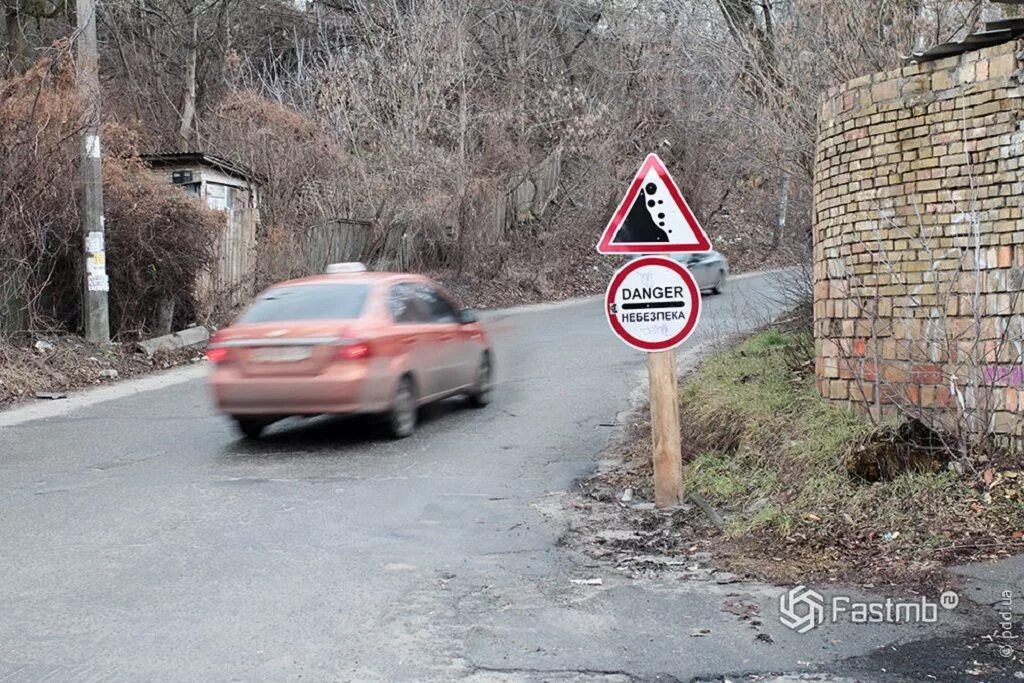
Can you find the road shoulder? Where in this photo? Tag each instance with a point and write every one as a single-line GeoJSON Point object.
{"type": "Point", "coordinates": [617, 532]}
{"type": "Point", "coordinates": [40, 410]}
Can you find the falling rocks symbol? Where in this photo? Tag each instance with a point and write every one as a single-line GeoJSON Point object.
{"type": "Point", "coordinates": [653, 217]}
{"type": "Point", "coordinates": [639, 225]}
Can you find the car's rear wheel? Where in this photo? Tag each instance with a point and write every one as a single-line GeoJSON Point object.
{"type": "Point", "coordinates": [252, 427]}
{"type": "Point", "coordinates": [720, 283]}
{"type": "Point", "coordinates": [480, 394]}
{"type": "Point", "coordinates": [401, 419]}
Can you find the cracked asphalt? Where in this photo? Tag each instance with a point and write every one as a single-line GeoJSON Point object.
{"type": "Point", "coordinates": [141, 540]}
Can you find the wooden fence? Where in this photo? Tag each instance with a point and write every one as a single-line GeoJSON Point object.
{"type": "Point", "coordinates": [231, 281]}
{"type": "Point", "coordinates": [336, 241]}
{"type": "Point", "coordinates": [529, 198]}
{"type": "Point", "coordinates": [11, 313]}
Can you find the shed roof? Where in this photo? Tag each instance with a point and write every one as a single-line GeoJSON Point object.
{"type": "Point", "coordinates": [202, 159]}
{"type": "Point", "coordinates": [995, 33]}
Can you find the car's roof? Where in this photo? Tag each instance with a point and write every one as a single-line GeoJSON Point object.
{"type": "Point", "coordinates": [364, 278]}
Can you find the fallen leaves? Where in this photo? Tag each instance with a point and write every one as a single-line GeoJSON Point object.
{"type": "Point", "coordinates": [1006, 484]}
{"type": "Point", "coordinates": [49, 368]}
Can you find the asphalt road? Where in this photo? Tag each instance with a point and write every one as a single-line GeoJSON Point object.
{"type": "Point", "coordinates": [141, 540]}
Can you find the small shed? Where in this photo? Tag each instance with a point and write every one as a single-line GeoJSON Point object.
{"type": "Point", "coordinates": [224, 186]}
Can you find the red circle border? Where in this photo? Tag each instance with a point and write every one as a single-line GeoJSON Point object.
{"type": "Point", "coordinates": [616, 282]}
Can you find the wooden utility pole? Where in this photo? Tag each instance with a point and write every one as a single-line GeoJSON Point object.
{"type": "Point", "coordinates": [668, 457]}
{"type": "Point", "coordinates": [95, 310]}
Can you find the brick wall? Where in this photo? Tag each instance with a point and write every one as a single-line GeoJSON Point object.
{"type": "Point", "coordinates": [919, 241]}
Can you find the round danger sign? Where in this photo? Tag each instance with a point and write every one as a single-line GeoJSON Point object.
{"type": "Point", "coordinates": [653, 304]}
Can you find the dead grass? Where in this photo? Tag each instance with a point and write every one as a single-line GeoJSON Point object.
{"type": "Point", "coordinates": [772, 457]}
{"type": "Point", "coordinates": [67, 362]}
{"type": "Point", "coordinates": [530, 268]}
{"type": "Point", "coordinates": [768, 451]}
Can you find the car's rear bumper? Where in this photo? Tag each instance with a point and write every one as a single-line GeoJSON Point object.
{"type": "Point", "coordinates": [342, 389]}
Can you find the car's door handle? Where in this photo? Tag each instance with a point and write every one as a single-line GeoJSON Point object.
{"type": "Point", "coordinates": [408, 341]}
{"type": "Point", "coordinates": [447, 337]}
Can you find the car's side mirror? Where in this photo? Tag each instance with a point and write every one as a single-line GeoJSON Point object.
{"type": "Point", "coordinates": [467, 316]}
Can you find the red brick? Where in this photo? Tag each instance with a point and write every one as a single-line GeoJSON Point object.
{"type": "Point", "coordinates": [870, 372]}
{"type": "Point", "coordinates": [848, 368]}
{"type": "Point", "coordinates": [1012, 399]}
{"type": "Point", "coordinates": [927, 397]}
{"type": "Point", "coordinates": [926, 373]}
{"type": "Point", "coordinates": [890, 393]}
{"type": "Point", "coordinates": [862, 391]}
{"type": "Point", "coordinates": [894, 372]}
{"type": "Point", "coordinates": [839, 389]}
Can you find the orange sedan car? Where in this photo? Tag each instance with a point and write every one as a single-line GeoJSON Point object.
{"type": "Point", "coordinates": [349, 342]}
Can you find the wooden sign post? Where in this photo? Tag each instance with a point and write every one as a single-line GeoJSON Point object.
{"type": "Point", "coordinates": [653, 304]}
{"type": "Point", "coordinates": [668, 457]}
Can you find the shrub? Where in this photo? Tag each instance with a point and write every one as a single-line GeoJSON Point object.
{"type": "Point", "coordinates": [305, 177]}
{"type": "Point", "coordinates": [158, 239]}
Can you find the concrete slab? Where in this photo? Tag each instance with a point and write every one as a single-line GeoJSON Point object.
{"type": "Point", "coordinates": [192, 336]}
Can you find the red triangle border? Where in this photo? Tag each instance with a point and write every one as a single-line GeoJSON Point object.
{"type": "Point", "coordinates": [606, 246]}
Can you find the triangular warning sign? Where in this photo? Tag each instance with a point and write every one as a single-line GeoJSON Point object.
{"type": "Point", "coordinates": [653, 218]}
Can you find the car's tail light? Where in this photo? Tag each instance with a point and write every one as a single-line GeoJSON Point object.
{"type": "Point", "coordinates": [353, 350]}
{"type": "Point", "coordinates": [214, 352]}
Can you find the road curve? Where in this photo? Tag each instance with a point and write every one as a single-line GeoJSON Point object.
{"type": "Point", "coordinates": [143, 541]}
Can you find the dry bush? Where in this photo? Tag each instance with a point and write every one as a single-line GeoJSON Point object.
{"type": "Point", "coordinates": [304, 175]}
{"type": "Point", "coordinates": [157, 238]}
{"type": "Point", "coordinates": [945, 342]}
{"type": "Point", "coordinates": [422, 117]}
{"type": "Point", "coordinates": [813, 483]}
{"type": "Point", "coordinates": [39, 115]}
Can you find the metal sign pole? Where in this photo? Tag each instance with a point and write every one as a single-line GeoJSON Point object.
{"type": "Point", "coordinates": [668, 457]}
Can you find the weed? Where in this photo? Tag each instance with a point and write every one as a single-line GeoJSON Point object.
{"type": "Point", "coordinates": [769, 451]}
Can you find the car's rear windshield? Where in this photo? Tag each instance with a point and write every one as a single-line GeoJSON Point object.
{"type": "Point", "coordinates": [308, 302]}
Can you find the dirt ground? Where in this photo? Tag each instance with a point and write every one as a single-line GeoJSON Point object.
{"type": "Point", "coordinates": [613, 519]}
{"type": "Point", "coordinates": [46, 367]}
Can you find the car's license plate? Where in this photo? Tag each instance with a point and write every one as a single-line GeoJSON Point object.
{"type": "Point", "coordinates": [282, 354]}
